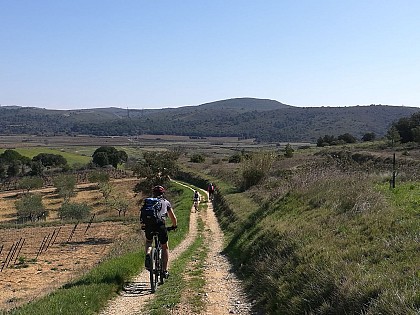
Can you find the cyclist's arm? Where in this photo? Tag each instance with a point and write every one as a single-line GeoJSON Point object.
{"type": "Point", "coordinates": [172, 216]}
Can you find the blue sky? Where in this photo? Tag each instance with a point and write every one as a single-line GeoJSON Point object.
{"type": "Point", "coordinates": [154, 54]}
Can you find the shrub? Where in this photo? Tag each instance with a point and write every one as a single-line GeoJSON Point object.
{"type": "Point", "coordinates": [236, 158]}
{"type": "Point", "coordinates": [197, 158]}
{"type": "Point", "coordinates": [31, 207]}
{"type": "Point", "coordinates": [256, 168]}
{"type": "Point", "coordinates": [74, 210]}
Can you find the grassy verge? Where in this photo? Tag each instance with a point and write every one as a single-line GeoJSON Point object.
{"type": "Point", "coordinates": [339, 246]}
{"type": "Point", "coordinates": [91, 292]}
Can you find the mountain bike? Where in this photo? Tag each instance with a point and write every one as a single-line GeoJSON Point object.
{"type": "Point", "coordinates": [156, 271]}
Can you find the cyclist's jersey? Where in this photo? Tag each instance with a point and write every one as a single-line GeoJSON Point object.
{"type": "Point", "coordinates": [163, 213]}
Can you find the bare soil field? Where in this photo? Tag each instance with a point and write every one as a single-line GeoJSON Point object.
{"type": "Point", "coordinates": [58, 263]}
{"type": "Point", "coordinates": [36, 268]}
{"type": "Point", "coordinates": [85, 193]}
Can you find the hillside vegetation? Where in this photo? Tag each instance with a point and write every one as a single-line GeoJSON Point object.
{"type": "Point", "coordinates": [322, 232]}
{"type": "Point", "coordinates": [264, 120]}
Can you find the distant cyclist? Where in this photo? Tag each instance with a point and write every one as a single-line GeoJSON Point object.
{"type": "Point", "coordinates": [196, 199]}
{"type": "Point", "coordinates": [165, 211]}
{"type": "Point", "coordinates": [210, 189]}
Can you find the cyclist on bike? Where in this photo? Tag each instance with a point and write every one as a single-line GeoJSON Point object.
{"type": "Point", "coordinates": [160, 227]}
{"type": "Point", "coordinates": [196, 199]}
{"type": "Point", "coordinates": [210, 189]}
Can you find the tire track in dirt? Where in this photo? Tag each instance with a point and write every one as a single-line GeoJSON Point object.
{"type": "Point", "coordinates": [224, 292]}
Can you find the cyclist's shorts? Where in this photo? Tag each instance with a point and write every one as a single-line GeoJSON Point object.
{"type": "Point", "coordinates": [159, 227]}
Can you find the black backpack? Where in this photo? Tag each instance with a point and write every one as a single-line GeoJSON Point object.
{"type": "Point", "coordinates": [149, 212]}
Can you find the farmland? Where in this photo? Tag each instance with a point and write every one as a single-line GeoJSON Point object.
{"type": "Point", "coordinates": [335, 219]}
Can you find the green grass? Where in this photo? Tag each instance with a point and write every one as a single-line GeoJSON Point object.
{"type": "Point", "coordinates": [337, 246]}
{"type": "Point", "coordinates": [72, 158]}
{"type": "Point", "coordinates": [91, 292]}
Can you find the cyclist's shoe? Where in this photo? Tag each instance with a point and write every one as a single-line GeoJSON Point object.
{"type": "Point", "coordinates": [148, 262]}
{"type": "Point", "coordinates": [165, 274]}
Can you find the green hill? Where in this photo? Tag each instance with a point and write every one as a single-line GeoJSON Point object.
{"type": "Point", "coordinates": [262, 119]}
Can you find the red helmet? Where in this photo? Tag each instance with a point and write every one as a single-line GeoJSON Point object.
{"type": "Point", "coordinates": [158, 190]}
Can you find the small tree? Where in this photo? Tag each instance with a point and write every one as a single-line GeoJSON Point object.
{"type": "Point", "coordinates": [119, 204]}
{"type": "Point", "coordinates": [74, 210]}
{"type": "Point", "coordinates": [288, 151]}
{"type": "Point", "coordinates": [156, 168]}
{"type": "Point", "coordinates": [30, 207]}
{"type": "Point", "coordinates": [370, 136]}
{"type": "Point", "coordinates": [98, 177]}
{"type": "Point", "coordinates": [65, 186]}
{"type": "Point", "coordinates": [106, 189]}
{"type": "Point", "coordinates": [393, 136]}
{"type": "Point", "coordinates": [29, 183]}
{"type": "Point", "coordinates": [347, 138]}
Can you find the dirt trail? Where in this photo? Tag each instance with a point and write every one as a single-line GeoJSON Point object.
{"type": "Point", "coordinates": [224, 294]}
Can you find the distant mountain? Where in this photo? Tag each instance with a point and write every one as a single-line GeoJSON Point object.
{"type": "Point", "coordinates": [263, 119]}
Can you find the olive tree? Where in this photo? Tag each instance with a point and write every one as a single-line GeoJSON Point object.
{"type": "Point", "coordinates": [74, 210]}
{"type": "Point", "coordinates": [30, 207]}
{"type": "Point", "coordinates": [65, 186]}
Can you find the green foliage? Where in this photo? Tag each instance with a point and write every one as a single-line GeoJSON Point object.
{"type": "Point", "coordinates": [98, 177]}
{"type": "Point", "coordinates": [236, 158]}
{"type": "Point", "coordinates": [109, 156]}
{"type": "Point", "coordinates": [407, 128]}
{"type": "Point", "coordinates": [370, 136]}
{"type": "Point", "coordinates": [156, 168]}
{"type": "Point", "coordinates": [73, 210]}
{"type": "Point", "coordinates": [29, 183]}
{"type": "Point", "coordinates": [10, 156]}
{"type": "Point", "coordinates": [50, 160]}
{"type": "Point", "coordinates": [120, 204]}
{"type": "Point", "coordinates": [332, 140]}
{"type": "Point", "coordinates": [241, 118]}
{"type": "Point", "coordinates": [197, 158]}
{"type": "Point", "coordinates": [106, 189]}
{"type": "Point", "coordinates": [65, 185]}
{"type": "Point", "coordinates": [288, 151]}
{"type": "Point", "coordinates": [30, 207]}
{"type": "Point", "coordinates": [255, 169]}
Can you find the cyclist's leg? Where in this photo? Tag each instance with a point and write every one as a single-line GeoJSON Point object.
{"type": "Point", "coordinates": [148, 246]}
{"type": "Point", "coordinates": [163, 239]}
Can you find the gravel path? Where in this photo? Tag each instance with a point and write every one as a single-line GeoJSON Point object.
{"type": "Point", "coordinates": [223, 290]}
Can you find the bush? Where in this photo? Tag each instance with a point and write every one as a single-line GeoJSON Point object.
{"type": "Point", "coordinates": [78, 211]}
{"type": "Point", "coordinates": [256, 168]}
{"type": "Point", "coordinates": [31, 207]}
{"type": "Point", "coordinates": [197, 158]}
{"type": "Point", "coordinates": [236, 158]}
